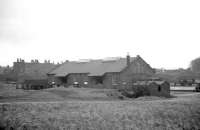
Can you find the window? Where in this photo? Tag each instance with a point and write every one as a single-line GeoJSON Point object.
{"type": "Point", "coordinates": [75, 82]}
{"type": "Point", "coordinates": [124, 83]}
{"type": "Point", "coordinates": [115, 79]}
{"type": "Point", "coordinates": [74, 79]}
{"type": "Point", "coordinates": [159, 88]}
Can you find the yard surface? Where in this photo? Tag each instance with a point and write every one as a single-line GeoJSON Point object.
{"type": "Point", "coordinates": [100, 110]}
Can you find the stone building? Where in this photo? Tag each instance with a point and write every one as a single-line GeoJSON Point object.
{"type": "Point", "coordinates": [152, 88]}
{"type": "Point", "coordinates": [33, 70]}
{"type": "Point", "coordinates": [109, 73]}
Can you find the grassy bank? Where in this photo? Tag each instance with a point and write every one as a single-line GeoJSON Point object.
{"type": "Point", "coordinates": [141, 114]}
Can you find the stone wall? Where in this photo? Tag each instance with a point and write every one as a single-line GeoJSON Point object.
{"type": "Point", "coordinates": [159, 89]}
{"type": "Point", "coordinates": [82, 79]}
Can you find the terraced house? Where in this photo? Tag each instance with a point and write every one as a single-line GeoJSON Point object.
{"type": "Point", "coordinates": [108, 73]}
{"type": "Point", "coordinates": [29, 74]}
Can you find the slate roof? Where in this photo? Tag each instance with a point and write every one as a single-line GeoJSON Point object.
{"type": "Point", "coordinates": [93, 67]}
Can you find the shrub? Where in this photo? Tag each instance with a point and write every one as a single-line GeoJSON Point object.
{"type": "Point", "coordinates": [141, 91]}
{"type": "Point", "coordinates": [128, 93]}
{"type": "Point", "coordinates": [135, 91]}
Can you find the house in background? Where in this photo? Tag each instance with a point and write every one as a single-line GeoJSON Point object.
{"type": "Point", "coordinates": [108, 73]}
{"type": "Point", "coordinates": [33, 72]}
{"type": "Point", "coordinates": [36, 84]}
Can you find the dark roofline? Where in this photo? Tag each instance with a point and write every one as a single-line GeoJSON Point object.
{"type": "Point", "coordinates": [133, 59]}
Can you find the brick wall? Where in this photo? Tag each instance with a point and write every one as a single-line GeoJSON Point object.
{"type": "Point", "coordinates": [81, 78]}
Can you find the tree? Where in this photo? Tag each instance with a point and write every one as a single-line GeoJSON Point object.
{"type": "Point", "coordinates": [195, 65]}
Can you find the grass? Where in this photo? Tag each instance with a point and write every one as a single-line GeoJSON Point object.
{"type": "Point", "coordinates": [11, 94]}
{"type": "Point", "coordinates": [144, 113]}
{"type": "Point", "coordinates": [172, 114]}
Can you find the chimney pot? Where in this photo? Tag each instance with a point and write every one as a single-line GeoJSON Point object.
{"type": "Point", "coordinates": [128, 59]}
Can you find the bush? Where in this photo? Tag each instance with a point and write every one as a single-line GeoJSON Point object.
{"type": "Point", "coordinates": [141, 91]}
{"type": "Point", "coordinates": [128, 93]}
{"type": "Point", "coordinates": [136, 91]}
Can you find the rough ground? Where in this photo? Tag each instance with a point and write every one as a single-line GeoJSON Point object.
{"type": "Point", "coordinates": [145, 113]}
{"type": "Point", "coordinates": [8, 93]}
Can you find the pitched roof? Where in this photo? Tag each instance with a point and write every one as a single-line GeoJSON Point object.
{"type": "Point", "coordinates": [93, 67]}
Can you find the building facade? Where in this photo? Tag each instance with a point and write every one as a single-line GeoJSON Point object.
{"type": "Point", "coordinates": [33, 71]}
{"type": "Point", "coordinates": [115, 73]}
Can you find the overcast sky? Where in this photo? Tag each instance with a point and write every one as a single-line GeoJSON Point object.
{"type": "Point", "coordinates": [166, 33]}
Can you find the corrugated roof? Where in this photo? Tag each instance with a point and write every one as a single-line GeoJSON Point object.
{"type": "Point", "coordinates": [93, 68]}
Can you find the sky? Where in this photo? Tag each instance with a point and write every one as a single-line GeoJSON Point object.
{"type": "Point", "coordinates": [166, 34]}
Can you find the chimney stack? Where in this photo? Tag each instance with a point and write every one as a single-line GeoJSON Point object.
{"type": "Point", "coordinates": [138, 56]}
{"type": "Point", "coordinates": [128, 60]}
